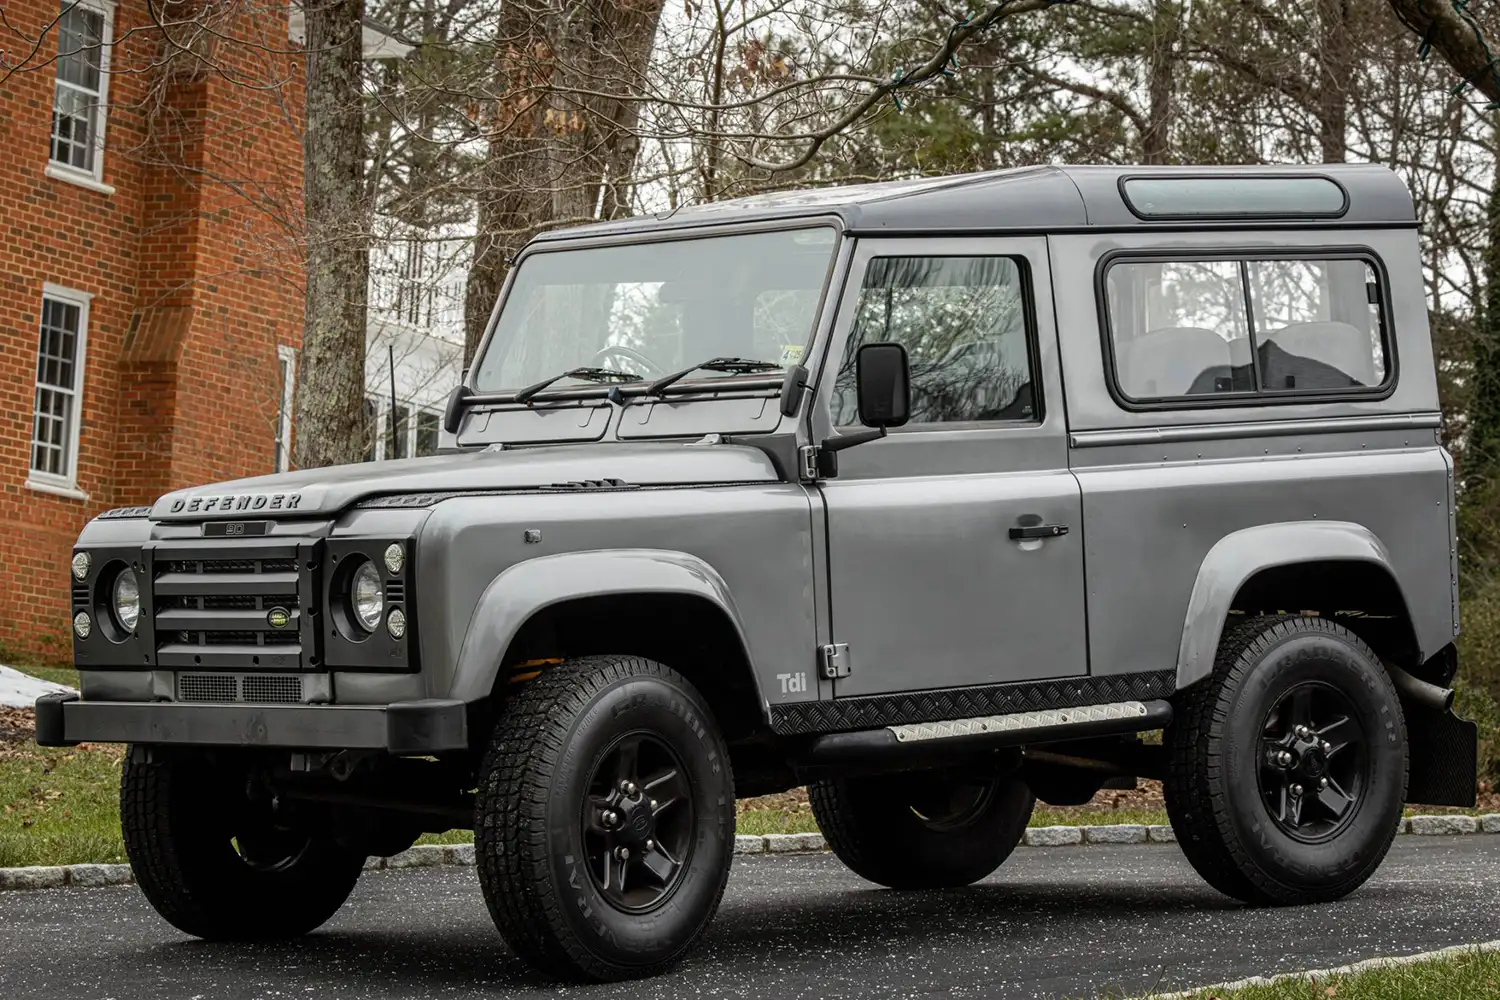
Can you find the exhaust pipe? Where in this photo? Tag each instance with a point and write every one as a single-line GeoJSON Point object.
{"type": "Point", "coordinates": [1439, 699]}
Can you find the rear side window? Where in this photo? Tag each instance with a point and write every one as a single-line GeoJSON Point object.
{"type": "Point", "coordinates": [1203, 331]}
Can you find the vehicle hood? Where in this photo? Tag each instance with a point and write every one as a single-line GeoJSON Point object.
{"type": "Point", "coordinates": [330, 490]}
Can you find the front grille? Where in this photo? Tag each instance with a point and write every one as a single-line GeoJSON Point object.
{"type": "Point", "coordinates": [278, 689]}
{"type": "Point", "coordinates": [231, 612]}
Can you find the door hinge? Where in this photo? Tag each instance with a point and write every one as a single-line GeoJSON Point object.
{"type": "Point", "coordinates": [809, 456]}
{"type": "Point", "coordinates": [834, 659]}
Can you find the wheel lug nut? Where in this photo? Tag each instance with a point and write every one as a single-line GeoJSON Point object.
{"type": "Point", "coordinates": [1322, 783]}
{"type": "Point", "coordinates": [1296, 790]}
{"type": "Point", "coordinates": [650, 845]}
{"type": "Point", "coordinates": [653, 805]}
{"type": "Point", "coordinates": [628, 787]}
{"type": "Point", "coordinates": [609, 817]}
{"type": "Point", "coordinates": [1285, 758]}
{"type": "Point", "coordinates": [623, 853]}
{"type": "Point", "coordinates": [1327, 747]}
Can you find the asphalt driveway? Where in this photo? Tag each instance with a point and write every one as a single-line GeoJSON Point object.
{"type": "Point", "coordinates": [1070, 922]}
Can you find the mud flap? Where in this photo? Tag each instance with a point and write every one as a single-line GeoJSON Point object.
{"type": "Point", "coordinates": [1443, 758]}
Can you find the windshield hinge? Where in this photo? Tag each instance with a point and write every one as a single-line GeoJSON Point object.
{"type": "Point", "coordinates": [809, 454]}
{"type": "Point", "coordinates": [834, 660]}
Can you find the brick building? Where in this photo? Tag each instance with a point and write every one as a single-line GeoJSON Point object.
{"type": "Point", "coordinates": [150, 284]}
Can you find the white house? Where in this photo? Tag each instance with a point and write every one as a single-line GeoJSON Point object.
{"type": "Point", "coordinates": [415, 337]}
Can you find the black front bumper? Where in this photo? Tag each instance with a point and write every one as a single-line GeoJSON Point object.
{"type": "Point", "coordinates": [410, 727]}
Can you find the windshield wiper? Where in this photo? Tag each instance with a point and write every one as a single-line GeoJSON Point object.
{"type": "Point", "coordinates": [586, 374]}
{"type": "Point", "coordinates": [734, 366]}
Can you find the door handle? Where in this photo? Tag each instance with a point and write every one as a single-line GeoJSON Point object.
{"type": "Point", "coordinates": [1038, 531]}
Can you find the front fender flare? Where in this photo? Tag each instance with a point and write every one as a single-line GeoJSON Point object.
{"type": "Point", "coordinates": [1238, 556]}
{"type": "Point", "coordinates": [528, 587]}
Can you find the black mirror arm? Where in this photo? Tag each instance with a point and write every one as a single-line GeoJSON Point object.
{"type": "Point", "coordinates": [850, 440]}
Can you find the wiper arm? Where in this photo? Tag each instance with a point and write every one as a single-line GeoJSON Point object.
{"type": "Point", "coordinates": [734, 366]}
{"type": "Point", "coordinates": [586, 374]}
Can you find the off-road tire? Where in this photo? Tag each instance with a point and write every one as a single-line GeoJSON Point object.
{"type": "Point", "coordinates": [175, 812]}
{"type": "Point", "coordinates": [873, 829]}
{"type": "Point", "coordinates": [1214, 747]}
{"type": "Point", "coordinates": [530, 846]}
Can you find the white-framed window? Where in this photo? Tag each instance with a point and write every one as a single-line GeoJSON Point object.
{"type": "Point", "coordinates": [63, 334]}
{"type": "Point", "coordinates": [428, 422]}
{"type": "Point", "coordinates": [287, 363]}
{"type": "Point", "coordinates": [80, 92]}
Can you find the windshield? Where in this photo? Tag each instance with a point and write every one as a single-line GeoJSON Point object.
{"type": "Point", "coordinates": [647, 309]}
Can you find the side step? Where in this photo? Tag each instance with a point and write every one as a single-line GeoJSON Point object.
{"type": "Point", "coordinates": [939, 740]}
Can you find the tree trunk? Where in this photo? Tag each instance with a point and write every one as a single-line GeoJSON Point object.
{"type": "Point", "coordinates": [330, 424]}
{"type": "Point", "coordinates": [558, 153]}
{"type": "Point", "coordinates": [1166, 32]}
{"type": "Point", "coordinates": [1335, 70]}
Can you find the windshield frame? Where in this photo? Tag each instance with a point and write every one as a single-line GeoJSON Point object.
{"type": "Point", "coordinates": [691, 385]}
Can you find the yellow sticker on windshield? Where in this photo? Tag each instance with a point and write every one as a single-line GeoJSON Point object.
{"type": "Point", "coordinates": [791, 354]}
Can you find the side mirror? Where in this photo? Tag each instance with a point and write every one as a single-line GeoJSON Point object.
{"type": "Point", "coordinates": [882, 380]}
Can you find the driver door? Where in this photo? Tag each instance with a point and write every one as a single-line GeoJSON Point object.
{"type": "Point", "coordinates": [943, 568]}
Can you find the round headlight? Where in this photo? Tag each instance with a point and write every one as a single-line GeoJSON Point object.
{"type": "Point", "coordinates": [366, 599]}
{"type": "Point", "coordinates": [126, 600]}
{"type": "Point", "coordinates": [394, 558]}
{"type": "Point", "coordinates": [81, 564]}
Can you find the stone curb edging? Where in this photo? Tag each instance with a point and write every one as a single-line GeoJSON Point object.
{"type": "Point", "coordinates": [432, 855]}
{"type": "Point", "coordinates": [1396, 962]}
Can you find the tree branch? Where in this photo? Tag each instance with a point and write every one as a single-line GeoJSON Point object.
{"type": "Point", "coordinates": [1456, 36]}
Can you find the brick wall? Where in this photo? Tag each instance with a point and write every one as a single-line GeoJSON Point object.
{"type": "Point", "coordinates": [192, 264]}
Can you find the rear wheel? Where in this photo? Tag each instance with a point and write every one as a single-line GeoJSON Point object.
{"type": "Point", "coordinates": [1287, 766]}
{"type": "Point", "coordinates": [604, 822]}
{"type": "Point", "coordinates": [923, 830]}
{"type": "Point", "coordinates": [214, 860]}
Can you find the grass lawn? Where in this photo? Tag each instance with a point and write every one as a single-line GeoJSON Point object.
{"type": "Point", "coordinates": [1472, 976]}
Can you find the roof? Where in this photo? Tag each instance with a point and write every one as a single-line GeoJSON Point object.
{"type": "Point", "coordinates": [1024, 198]}
{"type": "Point", "coordinates": [377, 40]}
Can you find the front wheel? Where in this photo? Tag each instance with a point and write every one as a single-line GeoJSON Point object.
{"type": "Point", "coordinates": [215, 860]}
{"type": "Point", "coordinates": [923, 830]}
{"type": "Point", "coordinates": [604, 821]}
{"type": "Point", "coordinates": [1287, 766]}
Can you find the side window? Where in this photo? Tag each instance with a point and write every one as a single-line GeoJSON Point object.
{"type": "Point", "coordinates": [1318, 324]}
{"type": "Point", "coordinates": [1247, 328]}
{"type": "Point", "coordinates": [1181, 330]}
{"type": "Point", "coordinates": [963, 322]}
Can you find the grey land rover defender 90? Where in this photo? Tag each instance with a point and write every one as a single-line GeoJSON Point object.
{"type": "Point", "coordinates": [931, 495]}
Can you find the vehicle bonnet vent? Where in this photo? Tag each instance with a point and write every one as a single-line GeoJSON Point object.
{"type": "Point", "coordinates": [593, 484]}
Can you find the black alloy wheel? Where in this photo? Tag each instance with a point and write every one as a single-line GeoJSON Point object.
{"type": "Point", "coordinates": [638, 823]}
{"type": "Point", "coordinates": [1314, 762]}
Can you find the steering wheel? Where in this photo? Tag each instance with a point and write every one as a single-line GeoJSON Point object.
{"type": "Point", "coordinates": [628, 354]}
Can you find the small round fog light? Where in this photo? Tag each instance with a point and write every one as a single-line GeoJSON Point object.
{"type": "Point", "coordinates": [81, 563]}
{"type": "Point", "coordinates": [395, 559]}
{"type": "Point", "coordinates": [396, 623]}
{"type": "Point", "coordinates": [82, 624]}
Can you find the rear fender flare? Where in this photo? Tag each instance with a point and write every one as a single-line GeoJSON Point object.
{"type": "Point", "coordinates": [1238, 556]}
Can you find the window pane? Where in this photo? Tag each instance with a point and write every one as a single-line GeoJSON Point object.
{"type": "Point", "coordinates": [1223, 197]}
{"type": "Point", "coordinates": [963, 323]}
{"type": "Point", "coordinates": [398, 441]}
{"type": "Point", "coordinates": [1317, 324]}
{"type": "Point", "coordinates": [56, 387]}
{"type": "Point", "coordinates": [80, 46]}
{"type": "Point", "coordinates": [427, 433]}
{"type": "Point", "coordinates": [1179, 328]}
{"type": "Point", "coordinates": [73, 116]}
